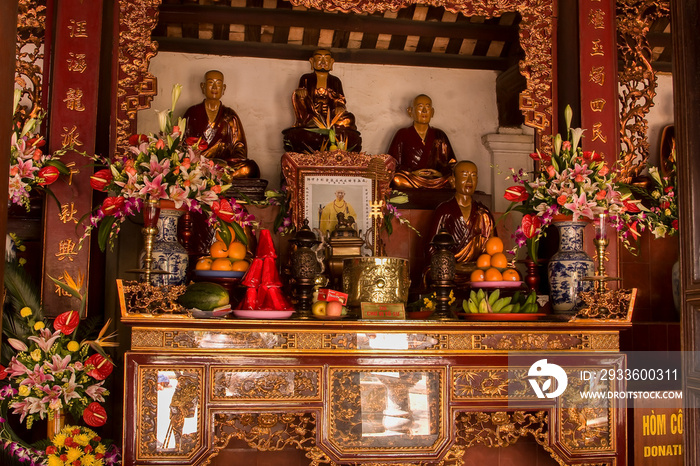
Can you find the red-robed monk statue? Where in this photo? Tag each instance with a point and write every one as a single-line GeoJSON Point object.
{"type": "Point", "coordinates": [424, 154]}
{"type": "Point", "coordinates": [318, 98]}
{"type": "Point", "coordinates": [220, 127]}
{"type": "Point", "coordinates": [469, 221]}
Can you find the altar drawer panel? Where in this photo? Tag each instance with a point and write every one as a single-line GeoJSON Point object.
{"type": "Point", "coordinates": [251, 383]}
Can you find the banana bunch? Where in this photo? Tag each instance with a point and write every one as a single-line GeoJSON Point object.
{"type": "Point", "coordinates": [480, 302]}
{"type": "Point", "coordinates": [526, 303]}
{"type": "Point", "coordinates": [483, 303]}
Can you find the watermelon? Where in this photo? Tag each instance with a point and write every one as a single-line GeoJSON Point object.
{"type": "Point", "coordinates": [204, 296]}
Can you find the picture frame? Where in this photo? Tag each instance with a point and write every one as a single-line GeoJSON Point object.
{"type": "Point", "coordinates": [313, 179]}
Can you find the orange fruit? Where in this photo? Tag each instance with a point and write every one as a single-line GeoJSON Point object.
{"type": "Point", "coordinates": [230, 228]}
{"type": "Point", "coordinates": [493, 275]}
{"type": "Point", "coordinates": [240, 266]}
{"type": "Point", "coordinates": [511, 275]}
{"type": "Point", "coordinates": [499, 260]}
{"type": "Point", "coordinates": [494, 245]}
{"type": "Point", "coordinates": [221, 264]}
{"type": "Point", "coordinates": [204, 263]}
{"type": "Point", "coordinates": [218, 250]}
{"type": "Point", "coordinates": [477, 275]}
{"type": "Point", "coordinates": [484, 261]}
{"type": "Point", "coordinates": [236, 250]}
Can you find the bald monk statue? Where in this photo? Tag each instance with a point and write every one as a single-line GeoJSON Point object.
{"type": "Point", "coordinates": [469, 221]}
{"type": "Point", "coordinates": [220, 127]}
{"type": "Point", "coordinates": [320, 96]}
{"type": "Point", "coordinates": [424, 154]}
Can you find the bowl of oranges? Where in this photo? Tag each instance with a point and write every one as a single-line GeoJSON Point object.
{"type": "Point", "coordinates": [493, 270]}
{"type": "Point", "coordinates": [225, 261]}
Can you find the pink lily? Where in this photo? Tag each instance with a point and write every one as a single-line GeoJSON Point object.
{"type": "Point", "coordinates": [178, 195]}
{"type": "Point", "coordinates": [154, 188]}
{"type": "Point", "coordinates": [46, 340]}
{"type": "Point", "coordinates": [580, 206]}
{"type": "Point", "coordinates": [95, 391]}
{"type": "Point", "coordinates": [16, 368]}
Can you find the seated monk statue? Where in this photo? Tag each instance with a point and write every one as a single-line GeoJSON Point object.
{"type": "Point", "coordinates": [220, 127]}
{"type": "Point", "coordinates": [320, 96]}
{"type": "Point", "coordinates": [469, 221]}
{"type": "Point", "coordinates": [424, 154]}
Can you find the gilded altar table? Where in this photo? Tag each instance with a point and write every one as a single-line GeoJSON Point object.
{"type": "Point", "coordinates": [363, 392]}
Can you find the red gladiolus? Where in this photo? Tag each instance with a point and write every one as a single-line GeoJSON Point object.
{"type": "Point", "coordinates": [551, 171]}
{"type": "Point", "coordinates": [112, 205]}
{"type": "Point", "coordinates": [50, 450]}
{"type": "Point", "coordinates": [665, 205]}
{"type": "Point", "coordinates": [136, 139]}
{"type": "Point", "coordinates": [67, 322]}
{"type": "Point", "coordinates": [102, 367]}
{"type": "Point", "coordinates": [223, 210]}
{"type": "Point", "coordinates": [668, 189]}
{"type": "Point", "coordinates": [674, 224]}
{"type": "Point", "coordinates": [530, 224]}
{"type": "Point", "coordinates": [95, 415]}
{"type": "Point", "coordinates": [101, 179]}
{"type": "Point", "coordinates": [69, 442]}
{"type": "Point", "coordinates": [516, 194]}
{"type": "Point", "coordinates": [48, 174]}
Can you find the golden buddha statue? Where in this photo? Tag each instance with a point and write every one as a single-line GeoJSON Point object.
{"type": "Point", "coordinates": [469, 221]}
{"type": "Point", "coordinates": [424, 154]}
{"type": "Point", "coordinates": [220, 127]}
{"type": "Point", "coordinates": [320, 96]}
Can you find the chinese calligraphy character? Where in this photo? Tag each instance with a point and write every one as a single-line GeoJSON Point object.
{"type": "Point", "coordinates": [77, 28]}
{"type": "Point", "coordinates": [73, 170]}
{"type": "Point", "coordinates": [597, 48]}
{"type": "Point", "coordinates": [597, 75]}
{"type": "Point", "coordinates": [598, 133]}
{"type": "Point", "coordinates": [77, 62]}
{"type": "Point", "coordinates": [376, 209]}
{"type": "Point", "coordinates": [60, 291]}
{"type": "Point", "coordinates": [70, 137]}
{"type": "Point", "coordinates": [68, 212]}
{"type": "Point", "coordinates": [597, 105]}
{"type": "Point", "coordinates": [66, 249]}
{"type": "Point", "coordinates": [596, 18]}
{"type": "Point", "coordinates": [73, 100]}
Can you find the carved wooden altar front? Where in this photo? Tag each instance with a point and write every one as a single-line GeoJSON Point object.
{"type": "Point", "coordinates": [413, 392]}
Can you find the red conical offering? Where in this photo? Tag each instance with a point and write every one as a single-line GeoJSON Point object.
{"type": "Point", "coordinates": [262, 298]}
{"type": "Point", "coordinates": [270, 277]}
{"type": "Point", "coordinates": [265, 246]}
{"type": "Point", "coordinates": [250, 302]}
{"type": "Point", "coordinates": [276, 300]}
{"type": "Point", "coordinates": [254, 274]}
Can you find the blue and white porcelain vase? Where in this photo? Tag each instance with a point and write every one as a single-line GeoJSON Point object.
{"type": "Point", "coordinates": [168, 254]}
{"type": "Point", "coordinates": [567, 267]}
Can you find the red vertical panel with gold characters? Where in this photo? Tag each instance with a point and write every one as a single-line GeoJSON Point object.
{"type": "Point", "coordinates": [73, 116]}
{"type": "Point", "coordinates": [599, 90]}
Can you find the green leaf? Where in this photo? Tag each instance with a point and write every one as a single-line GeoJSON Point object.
{"type": "Point", "coordinates": [104, 231]}
{"type": "Point", "coordinates": [224, 232]}
{"type": "Point", "coordinates": [67, 288]}
{"type": "Point", "coordinates": [240, 233]}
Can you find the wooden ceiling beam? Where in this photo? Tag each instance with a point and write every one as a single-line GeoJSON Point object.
{"type": "Point", "coordinates": [344, 22]}
{"type": "Point", "coordinates": [297, 52]}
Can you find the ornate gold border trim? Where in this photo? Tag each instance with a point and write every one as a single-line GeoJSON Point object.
{"type": "Point", "coordinates": [270, 384]}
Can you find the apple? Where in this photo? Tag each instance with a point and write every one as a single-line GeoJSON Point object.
{"type": "Point", "coordinates": [319, 308]}
{"type": "Point", "coordinates": [334, 308]}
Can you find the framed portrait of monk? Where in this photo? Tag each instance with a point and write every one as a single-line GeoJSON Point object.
{"type": "Point", "coordinates": [323, 184]}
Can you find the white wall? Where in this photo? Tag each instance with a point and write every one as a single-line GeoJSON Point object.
{"type": "Point", "coordinates": [260, 91]}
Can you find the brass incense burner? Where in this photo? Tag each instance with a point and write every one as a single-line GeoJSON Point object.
{"type": "Point", "coordinates": [376, 280]}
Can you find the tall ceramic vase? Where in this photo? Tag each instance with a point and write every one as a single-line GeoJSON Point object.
{"type": "Point", "coordinates": [168, 254]}
{"type": "Point", "coordinates": [567, 267]}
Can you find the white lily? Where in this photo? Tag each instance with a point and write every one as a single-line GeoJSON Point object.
{"type": "Point", "coordinates": [576, 134]}
{"type": "Point", "coordinates": [163, 120]}
{"type": "Point", "coordinates": [15, 100]}
{"type": "Point", "coordinates": [568, 115]}
{"type": "Point", "coordinates": [557, 143]}
{"type": "Point", "coordinates": [175, 95]}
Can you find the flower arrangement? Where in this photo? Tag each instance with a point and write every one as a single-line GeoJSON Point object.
{"type": "Point", "coordinates": [51, 370]}
{"type": "Point", "coordinates": [392, 212]}
{"type": "Point", "coordinates": [79, 446]}
{"type": "Point", "coordinates": [30, 168]}
{"type": "Point", "coordinates": [570, 182]}
{"type": "Point", "coordinates": [164, 166]}
{"type": "Point", "coordinates": [658, 206]}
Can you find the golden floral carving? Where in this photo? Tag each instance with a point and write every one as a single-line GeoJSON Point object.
{"type": "Point", "coordinates": [136, 86]}
{"type": "Point", "coordinates": [500, 429]}
{"type": "Point", "coordinates": [529, 341]}
{"type": "Point", "coordinates": [473, 384]}
{"type": "Point", "coordinates": [637, 79]}
{"type": "Point", "coordinates": [29, 51]}
{"type": "Point", "coordinates": [266, 384]}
